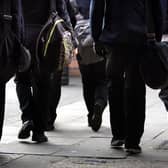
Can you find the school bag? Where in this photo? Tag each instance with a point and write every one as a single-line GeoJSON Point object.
{"type": "Point", "coordinates": [154, 61]}
{"type": "Point", "coordinates": [54, 42]}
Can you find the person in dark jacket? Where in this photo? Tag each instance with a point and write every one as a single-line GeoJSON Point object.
{"type": "Point", "coordinates": [17, 27]}
{"type": "Point", "coordinates": [33, 87]}
{"type": "Point", "coordinates": [92, 69]}
{"type": "Point", "coordinates": [121, 37]}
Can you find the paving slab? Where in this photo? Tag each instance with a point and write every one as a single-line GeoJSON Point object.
{"type": "Point", "coordinates": [92, 148]}
{"type": "Point", "coordinates": [73, 144]}
{"type": "Point", "coordinates": [156, 149]}
{"type": "Point", "coordinates": [33, 162]}
{"type": "Point", "coordinates": [163, 145]}
{"type": "Point", "coordinates": [73, 130]}
{"type": "Point", "coordinates": [6, 158]}
{"type": "Point", "coordinates": [160, 142]}
{"type": "Point", "coordinates": [97, 163]}
{"type": "Point", "coordinates": [28, 147]}
{"type": "Point", "coordinates": [151, 155]}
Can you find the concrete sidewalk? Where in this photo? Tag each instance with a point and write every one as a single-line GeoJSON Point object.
{"type": "Point", "coordinates": [73, 144]}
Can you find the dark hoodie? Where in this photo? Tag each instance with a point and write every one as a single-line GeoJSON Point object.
{"type": "Point", "coordinates": [16, 12]}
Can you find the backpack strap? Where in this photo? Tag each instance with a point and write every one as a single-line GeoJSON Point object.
{"type": "Point", "coordinates": [50, 35]}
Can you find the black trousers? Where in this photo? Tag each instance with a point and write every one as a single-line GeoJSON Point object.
{"type": "Point", "coordinates": [24, 92]}
{"type": "Point", "coordinates": [94, 85]}
{"type": "Point", "coordinates": [54, 96]}
{"type": "Point", "coordinates": [38, 92]}
{"type": "Point", "coordinates": [2, 106]}
{"type": "Point", "coordinates": [33, 95]}
{"type": "Point", "coordinates": [126, 93]}
{"type": "Point", "coordinates": [33, 87]}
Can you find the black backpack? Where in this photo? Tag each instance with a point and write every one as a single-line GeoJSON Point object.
{"type": "Point", "coordinates": [53, 42]}
{"type": "Point", "coordinates": [154, 60]}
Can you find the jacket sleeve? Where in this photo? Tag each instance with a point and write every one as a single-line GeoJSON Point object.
{"type": "Point", "coordinates": [63, 13]}
{"type": "Point", "coordinates": [18, 22]}
{"type": "Point", "coordinates": [97, 16]}
{"type": "Point", "coordinates": [158, 18]}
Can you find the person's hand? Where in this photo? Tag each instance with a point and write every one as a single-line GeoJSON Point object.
{"type": "Point", "coordinates": [99, 49]}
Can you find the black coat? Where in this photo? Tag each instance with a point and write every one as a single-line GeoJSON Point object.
{"type": "Point", "coordinates": [124, 21]}
{"type": "Point", "coordinates": [17, 21]}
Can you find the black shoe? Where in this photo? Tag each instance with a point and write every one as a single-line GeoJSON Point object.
{"type": "Point", "coordinates": [39, 137]}
{"type": "Point", "coordinates": [25, 130]}
{"type": "Point", "coordinates": [117, 143]}
{"type": "Point", "coordinates": [49, 127]}
{"type": "Point", "coordinates": [135, 149]}
{"type": "Point", "coordinates": [97, 117]}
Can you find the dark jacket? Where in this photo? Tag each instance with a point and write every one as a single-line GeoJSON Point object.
{"type": "Point", "coordinates": [123, 21]}
{"type": "Point", "coordinates": [17, 21]}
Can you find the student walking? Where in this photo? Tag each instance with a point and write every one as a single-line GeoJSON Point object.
{"type": "Point", "coordinates": [120, 33]}
{"type": "Point", "coordinates": [92, 68]}
{"type": "Point", "coordinates": [33, 87]}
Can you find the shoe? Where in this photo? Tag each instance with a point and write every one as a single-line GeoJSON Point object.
{"type": "Point", "coordinates": [39, 137]}
{"type": "Point", "coordinates": [117, 143]}
{"type": "Point", "coordinates": [25, 129]}
{"type": "Point", "coordinates": [97, 117]}
{"type": "Point", "coordinates": [136, 149]}
{"type": "Point", "coordinates": [49, 127]}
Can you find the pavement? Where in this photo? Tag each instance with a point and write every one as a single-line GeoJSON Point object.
{"type": "Point", "coordinates": [74, 144]}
